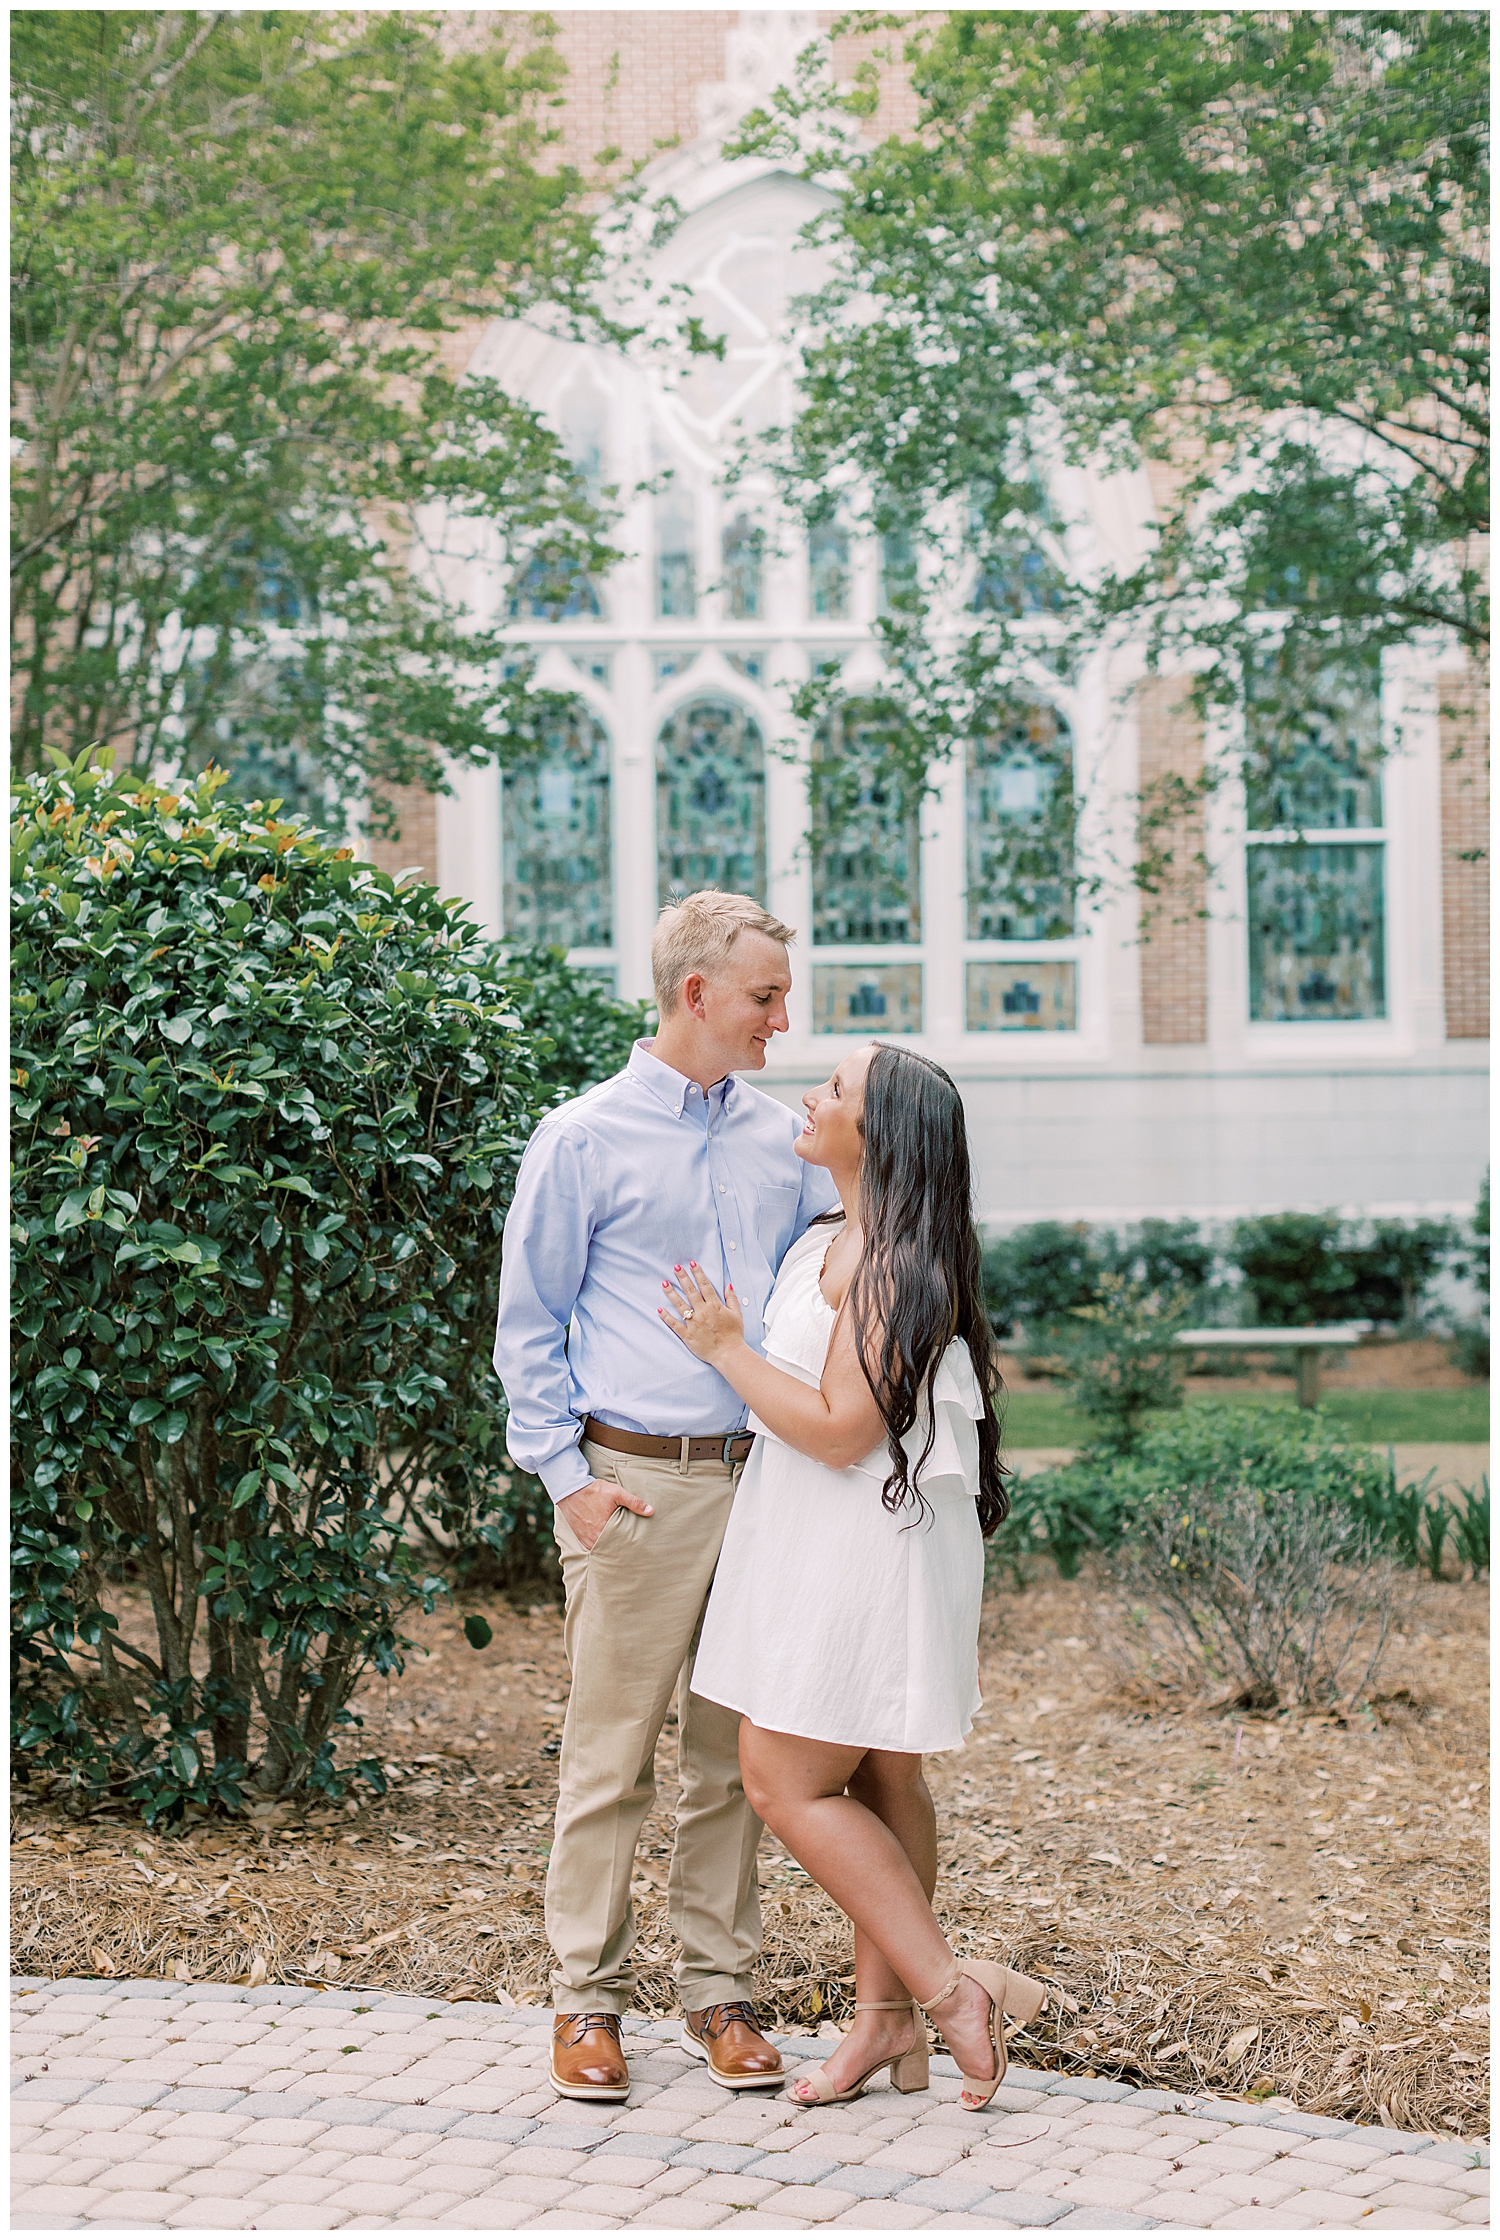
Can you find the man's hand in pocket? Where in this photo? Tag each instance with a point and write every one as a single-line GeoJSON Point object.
{"type": "Point", "coordinates": [589, 1510]}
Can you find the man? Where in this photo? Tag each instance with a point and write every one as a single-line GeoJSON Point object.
{"type": "Point", "coordinates": [641, 1447]}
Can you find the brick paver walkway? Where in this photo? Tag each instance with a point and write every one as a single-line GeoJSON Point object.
{"type": "Point", "coordinates": [206, 2107]}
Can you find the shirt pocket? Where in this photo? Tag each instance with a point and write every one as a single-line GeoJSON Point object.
{"type": "Point", "coordinates": [775, 1218]}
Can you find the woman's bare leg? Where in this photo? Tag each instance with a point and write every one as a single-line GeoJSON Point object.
{"type": "Point", "coordinates": [888, 1783]}
{"type": "Point", "coordinates": [860, 1857]}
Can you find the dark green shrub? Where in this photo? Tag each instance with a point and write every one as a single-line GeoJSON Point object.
{"type": "Point", "coordinates": [268, 1111]}
{"type": "Point", "coordinates": [1313, 1267]}
{"type": "Point", "coordinates": [1084, 1504]}
{"type": "Point", "coordinates": [457, 1486]}
{"type": "Point", "coordinates": [1039, 1273]}
{"type": "Point", "coordinates": [1163, 1256]}
{"type": "Point", "coordinates": [1479, 1229]}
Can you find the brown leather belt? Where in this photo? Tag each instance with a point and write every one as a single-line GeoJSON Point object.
{"type": "Point", "coordinates": [723, 1446]}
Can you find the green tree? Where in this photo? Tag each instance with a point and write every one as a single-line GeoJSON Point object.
{"type": "Point", "coordinates": [1245, 244]}
{"type": "Point", "coordinates": [239, 240]}
{"type": "Point", "coordinates": [267, 1109]}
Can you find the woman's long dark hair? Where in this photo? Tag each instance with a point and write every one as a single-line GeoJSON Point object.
{"type": "Point", "coordinates": [917, 1285]}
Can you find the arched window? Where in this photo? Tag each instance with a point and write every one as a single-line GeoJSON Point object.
{"type": "Point", "coordinates": [828, 570]}
{"type": "Point", "coordinates": [557, 858]}
{"type": "Point", "coordinates": [1019, 815]}
{"type": "Point", "coordinates": [865, 841]}
{"type": "Point", "coordinates": [710, 801]}
{"type": "Point", "coordinates": [744, 545]}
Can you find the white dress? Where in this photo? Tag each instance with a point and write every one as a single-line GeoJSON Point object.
{"type": "Point", "coordinates": [830, 1616]}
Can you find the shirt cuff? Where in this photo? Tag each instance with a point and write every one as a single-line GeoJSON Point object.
{"type": "Point", "coordinates": [564, 1474]}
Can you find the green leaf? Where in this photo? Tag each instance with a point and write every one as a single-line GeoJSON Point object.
{"type": "Point", "coordinates": [478, 1632]}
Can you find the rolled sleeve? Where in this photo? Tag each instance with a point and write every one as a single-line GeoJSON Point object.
{"type": "Point", "coordinates": [547, 1234]}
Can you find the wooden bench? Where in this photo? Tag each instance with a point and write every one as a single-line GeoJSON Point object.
{"type": "Point", "coordinates": [1309, 1347]}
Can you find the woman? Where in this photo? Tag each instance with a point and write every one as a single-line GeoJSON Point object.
{"type": "Point", "coordinates": [845, 1612]}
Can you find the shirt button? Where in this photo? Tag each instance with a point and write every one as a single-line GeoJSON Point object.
{"type": "Point", "coordinates": [733, 1247]}
{"type": "Point", "coordinates": [723, 1186]}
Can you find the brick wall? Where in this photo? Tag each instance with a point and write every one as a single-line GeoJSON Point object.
{"type": "Point", "coordinates": [1463, 730]}
{"type": "Point", "coordinates": [416, 842]}
{"type": "Point", "coordinates": [1174, 951]}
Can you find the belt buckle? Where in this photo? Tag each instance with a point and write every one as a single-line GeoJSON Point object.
{"type": "Point", "coordinates": [726, 1457]}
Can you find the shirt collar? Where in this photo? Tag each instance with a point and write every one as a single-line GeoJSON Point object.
{"type": "Point", "coordinates": [669, 1086]}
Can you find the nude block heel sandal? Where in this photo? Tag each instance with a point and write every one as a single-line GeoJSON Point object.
{"type": "Point", "coordinates": [1020, 1997]}
{"type": "Point", "coordinates": [908, 2070]}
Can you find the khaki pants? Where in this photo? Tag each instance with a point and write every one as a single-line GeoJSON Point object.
{"type": "Point", "coordinates": [635, 1602]}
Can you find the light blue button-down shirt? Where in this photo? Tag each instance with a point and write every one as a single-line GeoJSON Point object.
{"type": "Point", "coordinates": [643, 1172]}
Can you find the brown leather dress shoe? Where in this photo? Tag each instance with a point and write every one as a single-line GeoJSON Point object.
{"type": "Point", "coordinates": [727, 2038]}
{"type": "Point", "coordinates": [587, 2060]}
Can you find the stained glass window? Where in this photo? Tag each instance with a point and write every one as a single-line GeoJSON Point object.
{"type": "Point", "coordinates": [865, 836]}
{"type": "Point", "coordinates": [1017, 577]}
{"type": "Point", "coordinates": [828, 570]}
{"type": "Point", "coordinates": [676, 556]}
{"type": "Point", "coordinates": [870, 999]}
{"type": "Point", "coordinates": [557, 826]}
{"type": "Point", "coordinates": [710, 801]}
{"type": "Point", "coordinates": [898, 568]}
{"type": "Point", "coordinates": [1316, 906]}
{"type": "Point", "coordinates": [1028, 997]}
{"type": "Point", "coordinates": [1019, 814]}
{"type": "Point", "coordinates": [1317, 932]}
{"type": "Point", "coordinates": [551, 587]}
{"type": "Point", "coordinates": [744, 545]}
{"type": "Point", "coordinates": [1313, 745]}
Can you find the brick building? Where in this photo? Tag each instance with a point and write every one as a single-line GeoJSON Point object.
{"type": "Point", "coordinates": [1292, 1021]}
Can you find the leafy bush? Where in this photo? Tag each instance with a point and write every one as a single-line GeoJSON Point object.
{"type": "Point", "coordinates": [1084, 1504]}
{"type": "Point", "coordinates": [1163, 1256]}
{"type": "Point", "coordinates": [1118, 1357]}
{"type": "Point", "coordinates": [1469, 1349]}
{"type": "Point", "coordinates": [1313, 1267]}
{"type": "Point", "coordinates": [457, 1487]}
{"type": "Point", "coordinates": [268, 1111]}
{"type": "Point", "coordinates": [1039, 1273]}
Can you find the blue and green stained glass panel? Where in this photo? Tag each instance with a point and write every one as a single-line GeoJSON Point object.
{"type": "Point", "coordinates": [1317, 931]}
{"type": "Point", "coordinates": [552, 587]}
{"type": "Point", "coordinates": [868, 999]}
{"type": "Point", "coordinates": [828, 570]}
{"type": "Point", "coordinates": [1312, 735]}
{"type": "Point", "coordinates": [866, 841]}
{"type": "Point", "coordinates": [710, 802]}
{"type": "Point", "coordinates": [1036, 996]}
{"type": "Point", "coordinates": [1019, 814]}
{"type": "Point", "coordinates": [744, 552]}
{"type": "Point", "coordinates": [557, 849]}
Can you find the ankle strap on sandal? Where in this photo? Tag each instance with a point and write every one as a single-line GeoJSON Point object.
{"type": "Point", "coordinates": [949, 1987]}
{"type": "Point", "coordinates": [885, 2006]}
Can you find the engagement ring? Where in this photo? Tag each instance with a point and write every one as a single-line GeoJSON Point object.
{"type": "Point", "coordinates": [687, 1314]}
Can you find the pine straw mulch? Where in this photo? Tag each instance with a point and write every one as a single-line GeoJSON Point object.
{"type": "Point", "coordinates": [1243, 1903]}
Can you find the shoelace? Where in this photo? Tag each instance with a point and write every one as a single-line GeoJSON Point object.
{"type": "Point", "coordinates": [584, 2023]}
{"type": "Point", "coordinates": [733, 2010]}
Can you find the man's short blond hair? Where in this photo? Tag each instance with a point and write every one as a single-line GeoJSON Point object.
{"type": "Point", "coordinates": [697, 934]}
